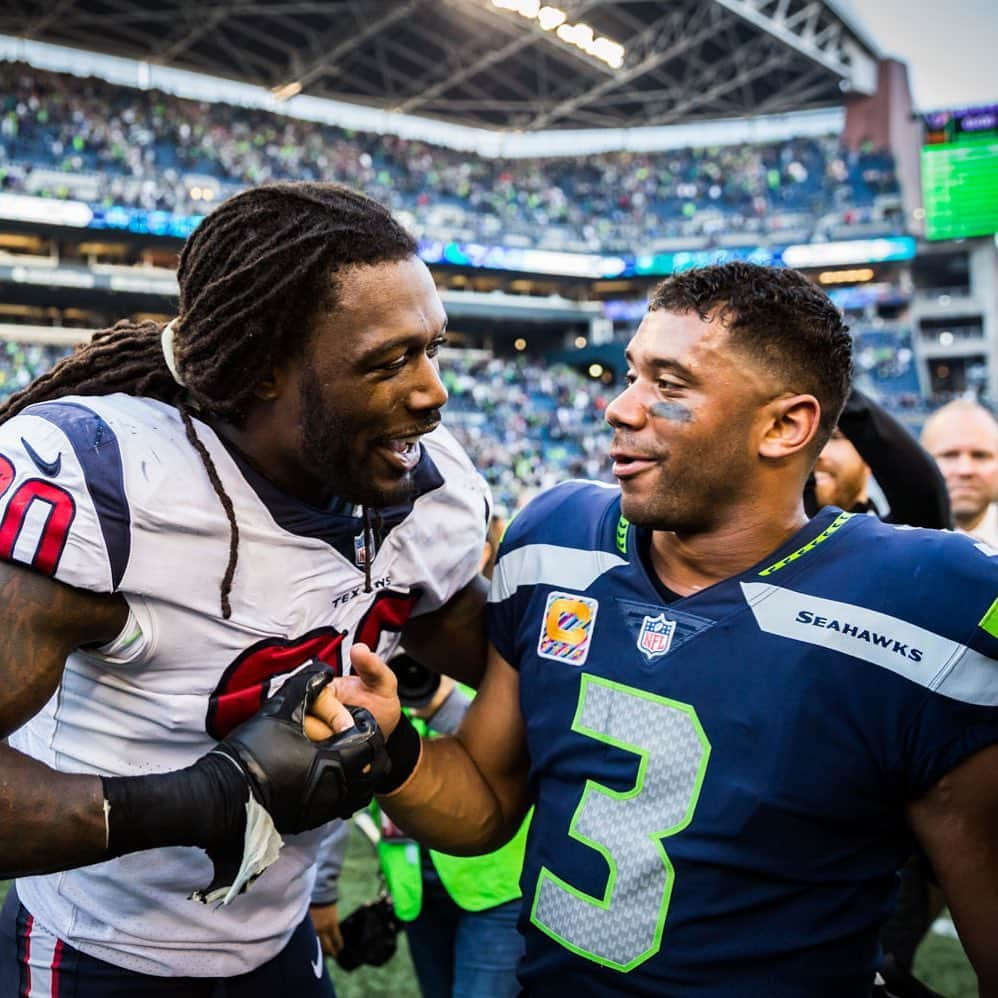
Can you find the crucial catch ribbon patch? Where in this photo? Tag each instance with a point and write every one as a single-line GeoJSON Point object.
{"type": "Point", "coordinates": [567, 627]}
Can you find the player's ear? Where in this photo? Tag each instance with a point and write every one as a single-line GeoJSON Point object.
{"type": "Point", "coordinates": [790, 424]}
{"type": "Point", "coordinates": [266, 389]}
{"type": "Point", "coordinates": [274, 384]}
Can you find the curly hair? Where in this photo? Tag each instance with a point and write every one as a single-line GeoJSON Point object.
{"type": "Point", "coordinates": [780, 319]}
{"type": "Point", "coordinates": [251, 276]}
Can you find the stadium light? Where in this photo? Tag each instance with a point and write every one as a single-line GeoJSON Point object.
{"type": "Point", "coordinates": [287, 90]}
{"type": "Point", "coordinates": [859, 275]}
{"type": "Point", "coordinates": [550, 17]}
{"type": "Point", "coordinates": [580, 35]}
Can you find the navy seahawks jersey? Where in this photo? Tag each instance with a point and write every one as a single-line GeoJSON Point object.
{"type": "Point", "coordinates": [721, 780]}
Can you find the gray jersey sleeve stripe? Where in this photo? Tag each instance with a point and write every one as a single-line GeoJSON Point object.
{"type": "Point", "coordinates": [917, 654]}
{"type": "Point", "coordinates": [972, 678]}
{"type": "Point", "coordinates": [549, 565]}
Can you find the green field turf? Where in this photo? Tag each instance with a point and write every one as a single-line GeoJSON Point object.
{"type": "Point", "coordinates": [941, 962]}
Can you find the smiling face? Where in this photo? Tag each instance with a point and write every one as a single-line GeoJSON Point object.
{"type": "Point", "coordinates": [841, 476]}
{"type": "Point", "coordinates": [367, 385]}
{"type": "Point", "coordinates": [686, 428]}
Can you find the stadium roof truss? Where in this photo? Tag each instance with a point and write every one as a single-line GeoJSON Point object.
{"type": "Point", "coordinates": [469, 61]}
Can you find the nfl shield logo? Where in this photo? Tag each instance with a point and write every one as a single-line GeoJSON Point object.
{"type": "Point", "coordinates": [655, 636]}
{"type": "Point", "coordinates": [360, 550]}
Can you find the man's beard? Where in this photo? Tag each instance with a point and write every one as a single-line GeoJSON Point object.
{"type": "Point", "coordinates": [325, 443]}
{"type": "Point", "coordinates": [691, 500]}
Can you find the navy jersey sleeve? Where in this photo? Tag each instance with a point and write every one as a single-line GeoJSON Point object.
{"type": "Point", "coordinates": [959, 715]}
{"type": "Point", "coordinates": [553, 537]}
{"type": "Point", "coordinates": [63, 510]}
{"type": "Point", "coordinates": [500, 611]}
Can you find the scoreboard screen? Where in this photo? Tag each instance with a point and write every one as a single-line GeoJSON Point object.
{"type": "Point", "coordinates": [960, 173]}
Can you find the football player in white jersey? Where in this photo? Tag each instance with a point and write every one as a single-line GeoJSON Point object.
{"type": "Point", "coordinates": [188, 515]}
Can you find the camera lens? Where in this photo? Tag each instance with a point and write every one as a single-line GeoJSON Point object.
{"type": "Point", "coordinates": [417, 684]}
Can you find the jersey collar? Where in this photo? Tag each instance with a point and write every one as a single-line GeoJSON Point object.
{"type": "Point", "coordinates": [791, 553]}
{"type": "Point", "coordinates": [340, 523]}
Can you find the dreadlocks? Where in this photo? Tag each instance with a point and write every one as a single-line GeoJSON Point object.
{"type": "Point", "coordinates": [251, 276]}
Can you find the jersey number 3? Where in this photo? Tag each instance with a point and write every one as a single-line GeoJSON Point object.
{"type": "Point", "coordinates": [624, 927]}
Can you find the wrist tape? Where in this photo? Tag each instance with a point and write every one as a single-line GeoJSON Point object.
{"type": "Point", "coordinates": [202, 805]}
{"type": "Point", "coordinates": [403, 748]}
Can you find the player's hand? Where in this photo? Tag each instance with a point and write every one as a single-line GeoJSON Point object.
{"type": "Point", "coordinates": [326, 920]}
{"type": "Point", "coordinates": [372, 686]}
{"type": "Point", "coordinates": [263, 779]}
{"type": "Point", "coordinates": [294, 784]}
{"type": "Point", "coordinates": [300, 783]}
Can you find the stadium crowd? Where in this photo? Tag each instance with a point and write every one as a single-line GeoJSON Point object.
{"type": "Point", "coordinates": [61, 136]}
{"type": "Point", "coordinates": [21, 363]}
{"type": "Point", "coordinates": [527, 425]}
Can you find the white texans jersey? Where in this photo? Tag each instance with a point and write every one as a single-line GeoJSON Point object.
{"type": "Point", "coordinates": [107, 494]}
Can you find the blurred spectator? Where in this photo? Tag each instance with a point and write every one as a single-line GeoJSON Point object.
{"type": "Point", "coordinates": [526, 425]}
{"type": "Point", "coordinates": [842, 477]}
{"type": "Point", "coordinates": [459, 912]}
{"type": "Point", "coordinates": [61, 136]}
{"type": "Point", "coordinates": [963, 438]}
{"type": "Point", "coordinates": [869, 441]}
{"type": "Point", "coordinates": [21, 363]}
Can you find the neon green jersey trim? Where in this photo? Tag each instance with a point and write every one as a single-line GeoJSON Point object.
{"type": "Point", "coordinates": [989, 622]}
{"type": "Point", "coordinates": [839, 521]}
{"type": "Point", "coordinates": [622, 525]}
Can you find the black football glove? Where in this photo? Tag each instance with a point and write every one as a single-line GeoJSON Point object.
{"type": "Point", "coordinates": [266, 777]}
{"type": "Point", "coordinates": [303, 784]}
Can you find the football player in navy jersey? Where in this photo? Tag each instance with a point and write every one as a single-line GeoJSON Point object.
{"type": "Point", "coordinates": [732, 721]}
{"type": "Point", "coordinates": [189, 514]}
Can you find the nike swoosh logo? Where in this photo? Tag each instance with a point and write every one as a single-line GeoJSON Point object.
{"type": "Point", "coordinates": [50, 468]}
{"type": "Point", "coordinates": [317, 962]}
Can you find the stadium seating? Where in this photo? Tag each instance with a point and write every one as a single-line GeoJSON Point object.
{"type": "Point", "coordinates": [886, 357]}
{"type": "Point", "coordinates": [527, 425]}
{"type": "Point", "coordinates": [90, 140]}
{"type": "Point", "coordinates": [21, 363]}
